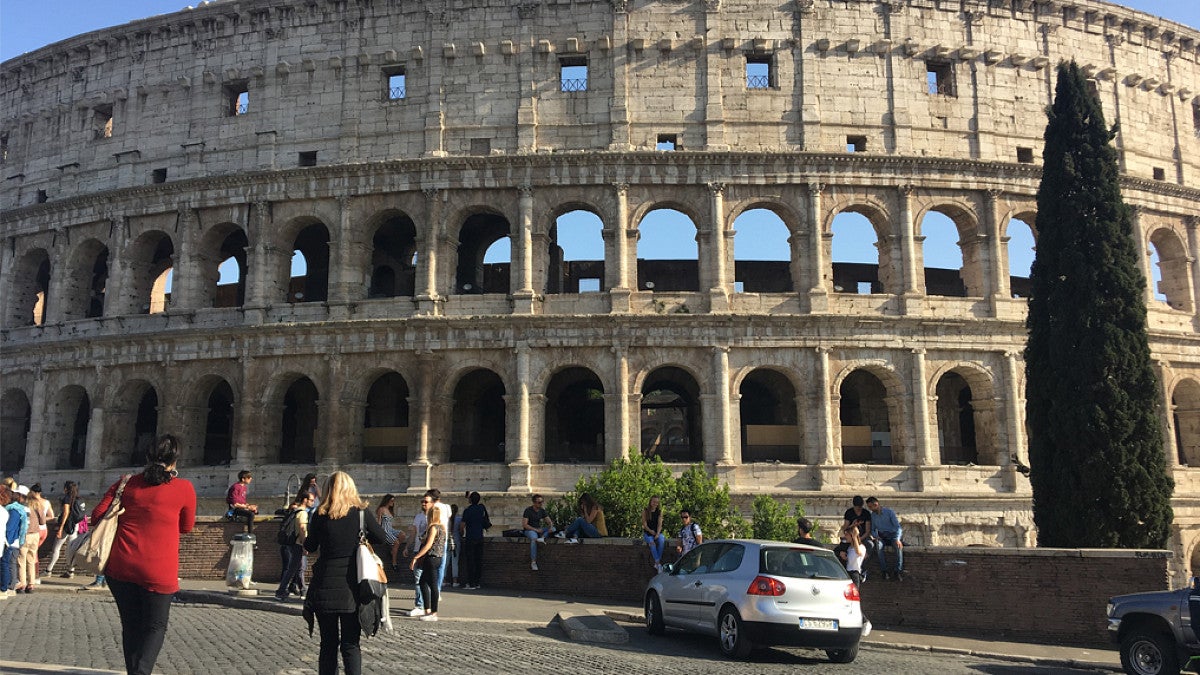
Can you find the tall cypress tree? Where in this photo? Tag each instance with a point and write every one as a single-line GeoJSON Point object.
{"type": "Point", "coordinates": [1095, 444]}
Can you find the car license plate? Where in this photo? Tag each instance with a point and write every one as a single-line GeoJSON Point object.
{"type": "Point", "coordinates": [818, 624]}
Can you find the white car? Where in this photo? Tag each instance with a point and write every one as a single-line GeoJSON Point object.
{"type": "Point", "coordinates": [748, 593]}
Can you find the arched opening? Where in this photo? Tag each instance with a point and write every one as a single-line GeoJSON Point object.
{"type": "Point", "coordinates": [1185, 405]}
{"type": "Point", "coordinates": [956, 421]}
{"type": "Point", "coordinates": [230, 288]}
{"type": "Point", "coordinates": [668, 256]}
{"type": "Point", "coordinates": [478, 422]}
{"type": "Point", "coordinates": [385, 421]}
{"type": "Point", "coordinates": [151, 258]}
{"type": "Point", "coordinates": [15, 418]}
{"type": "Point", "coordinates": [299, 424]}
{"type": "Point", "coordinates": [574, 417]}
{"type": "Point", "coordinates": [1021, 248]}
{"type": "Point", "coordinates": [770, 432]}
{"type": "Point", "coordinates": [866, 420]}
{"type": "Point", "coordinates": [762, 255]}
{"type": "Point", "coordinates": [856, 255]}
{"type": "Point", "coordinates": [85, 282]}
{"type": "Point", "coordinates": [393, 259]}
{"type": "Point", "coordinates": [29, 290]}
{"type": "Point", "coordinates": [670, 416]}
{"type": "Point", "coordinates": [484, 255]}
{"type": "Point", "coordinates": [943, 257]}
{"type": "Point", "coordinates": [218, 426]}
{"type": "Point", "coordinates": [576, 254]}
{"type": "Point", "coordinates": [310, 265]}
{"type": "Point", "coordinates": [1169, 269]}
{"type": "Point", "coordinates": [71, 413]}
{"type": "Point", "coordinates": [145, 427]}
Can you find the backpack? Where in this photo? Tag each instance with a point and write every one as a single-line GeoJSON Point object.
{"type": "Point", "coordinates": [289, 529]}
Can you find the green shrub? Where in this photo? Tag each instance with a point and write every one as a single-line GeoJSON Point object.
{"type": "Point", "coordinates": [773, 521]}
{"type": "Point", "coordinates": [710, 506]}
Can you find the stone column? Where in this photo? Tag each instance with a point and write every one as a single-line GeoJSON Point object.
{"type": "Point", "coordinates": [1192, 223]}
{"type": "Point", "coordinates": [999, 288]}
{"type": "Point", "coordinates": [712, 65]}
{"type": "Point", "coordinates": [187, 276]}
{"type": "Point", "coordinates": [419, 468]}
{"type": "Point", "coordinates": [719, 281]}
{"type": "Point", "coordinates": [819, 267]}
{"type": "Point", "coordinates": [1014, 413]}
{"type": "Point", "coordinates": [724, 454]}
{"type": "Point", "coordinates": [520, 472]}
{"type": "Point", "coordinates": [1162, 371]}
{"type": "Point", "coordinates": [621, 399]}
{"type": "Point", "coordinates": [1136, 213]}
{"type": "Point", "coordinates": [911, 263]}
{"type": "Point", "coordinates": [521, 271]}
{"type": "Point", "coordinates": [618, 111]}
{"type": "Point", "coordinates": [262, 288]}
{"type": "Point", "coordinates": [93, 458]}
{"type": "Point", "coordinates": [345, 274]}
{"type": "Point", "coordinates": [434, 72]}
{"type": "Point", "coordinates": [826, 456]}
{"type": "Point", "coordinates": [617, 265]}
{"type": "Point", "coordinates": [922, 446]}
{"type": "Point", "coordinates": [428, 300]}
{"type": "Point", "coordinates": [56, 294]}
{"type": "Point", "coordinates": [39, 443]}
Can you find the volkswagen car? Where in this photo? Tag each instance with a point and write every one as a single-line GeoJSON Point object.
{"type": "Point", "coordinates": [749, 593]}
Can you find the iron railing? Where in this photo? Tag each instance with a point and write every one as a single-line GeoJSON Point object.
{"type": "Point", "coordinates": [574, 84]}
{"type": "Point", "coordinates": [395, 93]}
{"type": "Point", "coordinates": [758, 81]}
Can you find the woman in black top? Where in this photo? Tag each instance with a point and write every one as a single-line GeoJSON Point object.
{"type": "Point", "coordinates": [334, 532]}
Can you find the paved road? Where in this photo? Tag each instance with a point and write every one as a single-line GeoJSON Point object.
{"type": "Point", "coordinates": [213, 639]}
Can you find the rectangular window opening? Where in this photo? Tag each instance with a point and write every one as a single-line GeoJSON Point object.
{"type": "Point", "coordinates": [1160, 173]}
{"type": "Point", "coordinates": [102, 121]}
{"type": "Point", "coordinates": [864, 288]}
{"type": "Point", "coordinates": [397, 85]}
{"type": "Point", "coordinates": [856, 144]}
{"type": "Point", "coordinates": [308, 158]}
{"type": "Point", "coordinates": [939, 78]}
{"type": "Point", "coordinates": [481, 146]}
{"type": "Point", "coordinates": [3, 148]}
{"type": "Point", "coordinates": [589, 285]}
{"type": "Point", "coordinates": [760, 71]}
{"type": "Point", "coordinates": [1195, 121]}
{"type": "Point", "coordinates": [42, 197]}
{"type": "Point", "coordinates": [237, 99]}
{"type": "Point", "coordinates": [739, 287]}
{"type": "Point", "coordinates": [158, 176]}
{"type": "Point", "coordinates": [573, 73]}
{"type": "Point", "coordinates": [666, 142]}
{"type": "Point", "coordinates": [1025, 155]}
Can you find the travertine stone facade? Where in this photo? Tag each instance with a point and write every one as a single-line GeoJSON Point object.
{"type": "Point", "coordinates": [390, 144]}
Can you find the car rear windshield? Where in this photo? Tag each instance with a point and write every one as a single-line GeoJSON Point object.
{"type": "Point", "coordinates": [801, 563]}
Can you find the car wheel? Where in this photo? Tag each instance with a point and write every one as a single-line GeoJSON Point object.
{"type": "Point", "coordinates": [654, 616]}
{"type": "Point", "coordinates": [731, 631]}
{"type": "Point", "coordinates": [842, 655]}
{"type": "Point", "coordinates": [1148, 653]}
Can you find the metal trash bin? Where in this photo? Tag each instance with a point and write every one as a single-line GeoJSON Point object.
{"type": "Point", "coordinates": [241, 561]}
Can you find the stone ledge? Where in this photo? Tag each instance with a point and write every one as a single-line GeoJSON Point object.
{"type": "Point", "coordinates": [590, 626]}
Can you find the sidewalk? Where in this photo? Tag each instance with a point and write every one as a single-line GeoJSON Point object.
{"type": "Point", "coordinates": [485, 605]}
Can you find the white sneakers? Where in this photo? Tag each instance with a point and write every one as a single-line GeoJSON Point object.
{"type": "Point", "coordinates": [559, 535]}
{"type": "Point", "coordinates": [427, 617]}
{"type": "Point", "coordinates": [533, 566]}
{"type": "Point", "coordinates": [572, 540]}
{"type": "Point", "coordinates": [418, 611]}
{"type": "Point", "coordinates": [540, 540]}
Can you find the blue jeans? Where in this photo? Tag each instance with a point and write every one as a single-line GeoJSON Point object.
{"type": "Point", "coordinates": [6, 558]}
{"type": "Point", "coordinates": [884, 540]}
{"type": "Point", "coordinates": [419, 602]}
{"type": "Point", "coordinates": [293, 556]}
{"type": "Point", "coordinates": [656, 543]}
{"type": "Point", "coordinates": [582, 528]}
{"type": "Point", "coordinates": [533, 535]}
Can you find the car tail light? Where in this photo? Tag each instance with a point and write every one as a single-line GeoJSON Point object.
{"type": "Point", "coordinates": [766, 586]}
{"type": "Point", "coordinates": [851, 592]}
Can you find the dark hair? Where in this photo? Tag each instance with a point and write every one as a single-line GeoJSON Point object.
{"type": "Point", "coordinates": [301, 495]}
{"type": "Point", "coordinates": [164, 453]}
{"type": "Point", "coordinates": [245, 473]}
{"type": "Point", "coordinates": [805, 525]}
{"type": "Point", "coordinates": [383, 501]}
{"type": "Point", "coordinates": [308, 478]}
{"type": "Point", "coordinates": [587, 502]}
{"type": "Point", "coordinates": [858, 500]}
{"type": "Point", "coordinates": [474, 498]}
{"type": "Point", "coordinates": [71, 491]}
{"type": "Point", "coordinates": [434, 494]}
{"type": "Point", "coordinates": [36, 487]}
{"type": "Point", "coordinates": [535, 497]}
{"type": "Point", "coordinates": [872, 500]}
{"type": "Point", "coordinates": [453, 510]}
{"type": "Point", "coordinates": [685, 510]}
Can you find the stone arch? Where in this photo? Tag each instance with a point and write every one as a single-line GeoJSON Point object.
{"type": "Point", "coordinates": [312, 244]}
{"type": "Point", "coordinates": [131, 424]}
{"type": "Point", "coordinates": [770, 425]}
{"type": "Point", "coordinates": [762, 261]}
{"type": "Point", "coordinates": [477, 233]}
{"type": "Point", "coordinates": [670, 418]}
{"type": "Point", "coordinates": [574, 419]}
{"type": "Point", "coordinates": [386, 429]}
{"type": "Point", "coordinates": [853, 266]}
{"type": "Point", "coordinates": [661, 273]}
{"type": "Point", "coordinates": [478, 419]}
{"type": "Point", "coordinates": [223, 266]}
{"type": "Point", "coordinates": [297, 401]}
{"type": "Point", "coordinates": [1185, 408]}
{"type": "Point", "coordinates": [392, 268]}
{"type": "Point", "coordinates": [149, 264]}
{"type": "Point", "coordinates": [1020, 238]}
{"type": "Point", "coordinates": [29, 290]}
{"type": "Point", "coordinates": [575, 268]}
{"type": "Point", "coordinates": [219, 406]}
{"type": "Point", "coordinates": [16, 416]}
{"type": "Point", "coordinates": [953, 276]}
{"type": "Point", "coordinates": [70, 417]}
{"type": "Point", "coordinates": [965, 411]}
{"type": "Point", "coordinates": [1172, 269]}
{"type": "Point", "coordinates": [85, 282]}
{"type": "Point", "coordinates": [871, 414]}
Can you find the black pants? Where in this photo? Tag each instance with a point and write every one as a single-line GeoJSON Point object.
{"type": "Point", "coordinates": [292, 555]}
{"type": "Point", "coordinates": [473, 560]}
{"type": "Point", "coordinates": [246, 516]}
{"type": "Point", "coordinates": [339, 631]}
{"type": "Point", "coordinates": [430, 588]}
{"type": "Point", "coordinates": [144, 617]}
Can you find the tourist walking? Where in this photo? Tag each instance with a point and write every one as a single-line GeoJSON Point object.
{"type": "Point", "coordinates": [27, 562]}
{"type": "Point", "coordinates": [70, 515]}
{"type": "Point", "coordinates": [292, 532]}
{"type": "Point", "coordinates": [142, 571]}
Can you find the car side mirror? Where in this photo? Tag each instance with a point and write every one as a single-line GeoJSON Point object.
{"type": "Point", "coordinates": [669, 568]}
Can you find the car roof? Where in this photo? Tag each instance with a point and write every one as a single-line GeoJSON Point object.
{"type": "Point", "coordinates": [769, 542]}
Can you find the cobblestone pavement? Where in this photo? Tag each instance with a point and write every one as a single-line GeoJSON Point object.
{"type": "Point", "coordinates": [214, 639]}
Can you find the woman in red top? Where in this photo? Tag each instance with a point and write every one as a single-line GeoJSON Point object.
{"type": "Point", "coordinates": [143, 566]}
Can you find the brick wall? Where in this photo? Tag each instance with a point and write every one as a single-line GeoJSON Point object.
{"type": "Point", "coordinates": [1042, 595]}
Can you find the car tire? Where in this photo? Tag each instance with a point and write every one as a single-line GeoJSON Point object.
{"type": "Point", "coordinates": [654, 615]}
{"type": "Point", "coordinates": [843, 655]}
{"type": "Point", "coordinates": [1146, 652]}
{"type": "Point", "coordinates": [731, 634]}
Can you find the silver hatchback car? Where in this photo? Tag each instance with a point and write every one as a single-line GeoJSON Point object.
{"type": "Point", "coordinates": [748, 592]}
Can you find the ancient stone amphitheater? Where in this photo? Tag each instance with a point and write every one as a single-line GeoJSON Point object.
{"type": "Point", "coordinates": [269, 227]}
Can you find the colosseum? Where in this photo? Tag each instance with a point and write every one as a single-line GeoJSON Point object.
{"type": "Point", "coordinates": [407, 240]}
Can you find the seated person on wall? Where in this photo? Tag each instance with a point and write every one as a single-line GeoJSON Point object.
{"type": "Point", "coordinates": [886, 531]}
{"type": "Point", "coordinates": [537, 525]}
{"type": "Point", "coordinates": [804, 528]}
{"type": "Point", "coordinates": [238, 498]}
{"type": "Point", "coordinates": [590, 523]}
{"type": "Point", "coordinates": [858, 515]}
{"type": "Point", "coordinates": [690, 535]}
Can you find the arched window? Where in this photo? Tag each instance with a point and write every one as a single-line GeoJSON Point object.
{"type": "Point", "coordinates": [484, 255]}
{"type": "Point", "coordinates": [1021, 248]}
{"type": "Point", "coordinates": [393, 257]}
{"type": "Point", "coordinates": [576, 254]}
{"type": "Point", "coordinates": [299, 423]}
{"type": "Point", "coordinates": [668, 257]}
{"type": "Point", "coordinates": [866, 420]}
{"type": "Point", "coordinates": [15, 419]}
{"type": "Point", "coordinates": [670, 416]}
{"type": "Point", "coordinates": [943, 257]}
{"type": "Point", "coordinates": [855, 255]}
{"type": "Point", "coordinates": [218, 426]}
{"type": "Point", "coordinates": [385, 421]}
{"type": "Point", "coordinates": [770, 432]}
{"type": "Point", "coordinates": [574, 417]}
{"type": "Point", "coordinates": [310, 265]}
{"type": "Point", "coordinates": [762, 255]}
{"type": "Point", "coordinates": [478, 425]}
{"type": "Point", "coordinates": [1169, 270]}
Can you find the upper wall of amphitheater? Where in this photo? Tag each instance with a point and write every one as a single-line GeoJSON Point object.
{"type": "Point", "coordinates": [153, 100]}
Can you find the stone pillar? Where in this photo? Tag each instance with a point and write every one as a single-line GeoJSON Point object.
{"type": "Point", "coordinates": [520, 474]}
{"type": "Point", "coordinates": [1014, 413]}
{"type": "Point", "coordinates": [911, 263]}
{"type": "Point", "coordinates": [59, 272]}
{"type": "Point", "coordinates": [922, 446]}
{"type": "Point", "coordinates": [1162, 371]}
{"type": "Point", "coordinates": [346, 279]}
{"type": "Point", "coordinates": [618, 110]}
{"type": "Point", "coordinates": [621, 399]}
{"type": "Point", "coordinates": [618, 254]}
{"type": "Point", "coordinates": [1139, 232]}
{"type": "Point", "coordinates": [724, 454]}
{"type": "Point", "coordinates": [521, 271]}
{"type": "Point", "coordinates": [712, 65]}
{"type": "Point", "coordinates": [419, 468]}
{"type": "Point", "coordinates": [1192, 223]}
{"type": "Point", "coordinates": [428, 300]}
{"type": "Point", "coordinates": [999, 288]}
{"type": "Point", "coordinates": [819, 267]}
{"type": "Point", "coordinates": [262, 282]}
{"type": "Point", "coordinates": [719, 281]}
{"type": "Point", "coordinates": [435, 123]}
{"type": "Point", "coordinates": [187, 276]}
{"type": "Point", "coordinates": [39, 442]}
{"type": "Point", "coordinates": [93, 458]}
{"type": "Point", "coordinates": [827, 456]}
